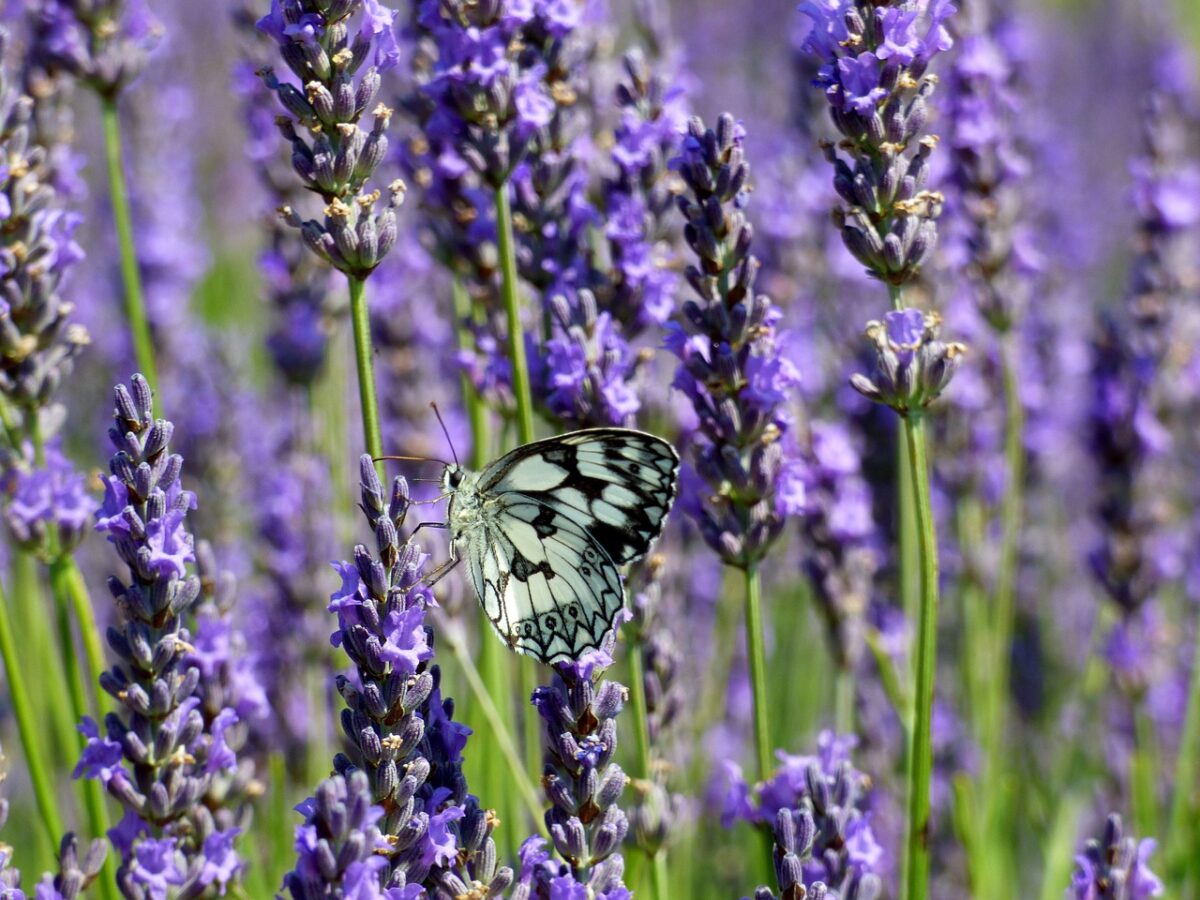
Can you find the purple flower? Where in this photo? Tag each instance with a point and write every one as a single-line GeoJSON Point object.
{"type": "Point", "coordinates": [1115, 866]}
{"type": "Point", "coordinates": [102, 757]}
{"type": "Point", "coordinates": [221, 862]}
{"type": "Point", "coordinates": [900, 41]}
{"type": "Point", "coordinates": [155, 867]}
{"type": "Point", "coordinates": [859, 81]}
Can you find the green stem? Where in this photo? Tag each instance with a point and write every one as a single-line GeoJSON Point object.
{"type": "Point", "coordinates": [843, 700]}
{"type": "Point", "coordinates": [1142, 771]}
{"type": "Point", "coordinates": [85, 620]}
{"type": "Point", "coordinates": [641, 726]}
{"type": "Point", "coordinates": [920, 765]}
{"type": "Point", "coordinates": [360, 320]}
{"type": "Point", "coordinates": [135, 304]}
{"type": "Point", "coordinates": [512, 312]}
{"type": "Point", "coordinates": [26, 728]}
{"type": "Point", "coordinates": [504, 738]}
{"type": "Point", "coordinates": [1187, 783]}
{"type": "Point", "coordinates": [757, 654]}
{"type": "Point", "coordinates": [93, 791]}
{"type": "Point", "coordinates": [1011, 515]}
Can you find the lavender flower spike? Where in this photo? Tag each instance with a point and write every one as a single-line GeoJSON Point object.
{"type": "Point", "coordinates": [405, 745]}
{"type": "Point", "coordinates": [1115, 867]}
{"type": "Point", "coordinates": [164, 757]}
{"type": "Point", "coordinates": [583, 784]}
{"type": "Point", "coordinates": [873, 71]}
{"type": "Point", "coordinates": [103, 43]}
{"type": "Point", "coordinates": [729, 369]}
{"type": "Point", "coordinates": [338, 157]}
{"type": "Point", "coordinates": [913, 366]}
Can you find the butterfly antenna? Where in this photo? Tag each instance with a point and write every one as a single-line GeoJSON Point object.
{"type": "Point", "coordinates": [446, 432]}
{"type": "Point", "coordinates": [412, 459]}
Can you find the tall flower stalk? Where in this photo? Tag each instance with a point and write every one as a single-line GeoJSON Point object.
{"type": "Point", "coordinates": [338, 158]}
{"type": "Point", "coordinates": [874, 62]}
{"type": "Point", "coordinates": [405, 758]}
{"type": "Point", "coordinates": [746, 477]}
{"type": "Point", "coordinates": [105, 45]}
{"type": "Point", "coordinates": [169, 755]}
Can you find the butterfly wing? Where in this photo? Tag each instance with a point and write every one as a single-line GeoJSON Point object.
{"type": "Point", "coordinates": [548, 588]}
{"type": "Point", "coordinates": [616, 483]}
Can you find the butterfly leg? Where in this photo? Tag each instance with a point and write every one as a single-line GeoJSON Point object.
{"type": "Point", "coordinates": [440, 572]}
{"type": "Point", "coordinates": [421, 525]}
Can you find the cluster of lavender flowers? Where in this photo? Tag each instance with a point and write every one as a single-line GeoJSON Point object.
{"type": "Point", "coordinates": [1114, 867]}
{"type": "Point", "coordinates": [295, 281]}
{"type": "Point", "coordinates": [749, 479]}
{"type": "Point", "coordinates": [168, 756]}
{"type": "Point", "coordinates": [74, 875]}
{"type": "Point", "coordinates": [339, 158]}
{"type": "Point", "coordinates": [401, 790]}
{"type": "Point", "coordinates": [38, 341]}
{"type": "Point", "coordinates": [103, 43]}
{"type": "Point", "coordinates": [819, 809]}
{"type": "Point", "coordinates": [583, 784]}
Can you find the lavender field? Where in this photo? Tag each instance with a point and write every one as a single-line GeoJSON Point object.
{"type": "Point", "coordinates": [911, 288]}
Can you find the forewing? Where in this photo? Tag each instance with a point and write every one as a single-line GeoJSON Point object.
{"type": "Point", "coordinates": [547, 586]}
{"type": "Point", "coordinates": [616, 482]}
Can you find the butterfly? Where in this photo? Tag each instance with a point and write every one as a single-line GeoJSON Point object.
{"type": "Point", "coordinates": [545, 528]}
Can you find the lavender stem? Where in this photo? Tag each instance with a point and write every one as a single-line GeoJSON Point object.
{"type": "Point", "coordinates": [512, 313]}
{"type": "Point", "coordinates": [641, 728]}
{"type": "Point", "coordinates": [360, 320]}
{"type": "Point", "coordinates": [135, 305]}
{"type": "Point", "coordinates": [1182, 831]}
{"type": "Point", "coordinates": [23, 712]}
{"type": "Point", "coordinates": [920, 764]}
{"type": "Point", "coordinates": [93, 791]}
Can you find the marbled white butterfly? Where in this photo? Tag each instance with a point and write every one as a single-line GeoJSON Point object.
{"type": "Point", "coordinates": [545, 528]}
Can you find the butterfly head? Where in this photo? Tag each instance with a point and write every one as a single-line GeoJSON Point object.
{"type": "Point", "coordinates": [452, 477]}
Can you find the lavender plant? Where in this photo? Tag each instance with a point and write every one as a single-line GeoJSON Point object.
{"type": "Point", "coordinates": [874, 72]}
{"type": "Point", "coordinates": [338, 159]}
{"type": "Point", "coordinates": [406, 759]}
{"type": "Point", "coordinates": [1114, 867]}
{"type": "Point", "coordinates": [747, 479]}
{"type": "Point", "coordinates": [583, 785]}
{"type": "Point", "coordinates": [105, 45]}
{"type": "Point", "coordinates": [168, 755]}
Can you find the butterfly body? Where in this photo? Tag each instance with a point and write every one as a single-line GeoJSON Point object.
{"type": "Point", "coordinates": [545, 528]}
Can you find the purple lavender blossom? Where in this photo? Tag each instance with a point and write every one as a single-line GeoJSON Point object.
{"type": "Point", "coordinates": [37, 251]}
{"type": "Point", "coordinates": [873, 63]}
{"type": "Point", "coordinates": [401, 732]}
{"type": "Point", "coordinates": [103, 43]}
{"type": "Point", "coordinates": [828, 803]}
{"type": "Point", "coordinates": [1115, 867]}
{"type": "Point", "coordinates": [338, 158]}
{"type": "Point", "coordinates": [583, 784]}
{"type": "Point", "coordinates": [51, 498]}
{"type": "Point", "coordinates": [178, 780]}
{"type": "Point", "coordinates": [73, 877]}
{"type": "Point", "coordinates": [913, 365]}
{"type": "Point", "coordinates": [729, 371]}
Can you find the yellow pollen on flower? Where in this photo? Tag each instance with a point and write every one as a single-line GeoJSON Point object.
{"type": "Point", "coordinates": [181, 757]}
{"type": "Point", "coordinates": [382, 111]}
{"type": "Point", "coordinates": [366, 201]}
{"type": "Point", "coordinates": [392, 742]}
{"type": "Point", "coordinates": [337, 209]}
{"type": "Point", "coordinates": [105, 29]}
{"type": "Point", "coordinates": [77, 336]}
{"type": "Point", "coordinates": [347, 129]}
{"type": "Point", "coordinates": [342, 57]}
{"type": "Point", "coordinates": [563, 93]}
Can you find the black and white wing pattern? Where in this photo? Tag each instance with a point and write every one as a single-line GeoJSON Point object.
{"type": "Point", "coordinates": [546, 527]}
